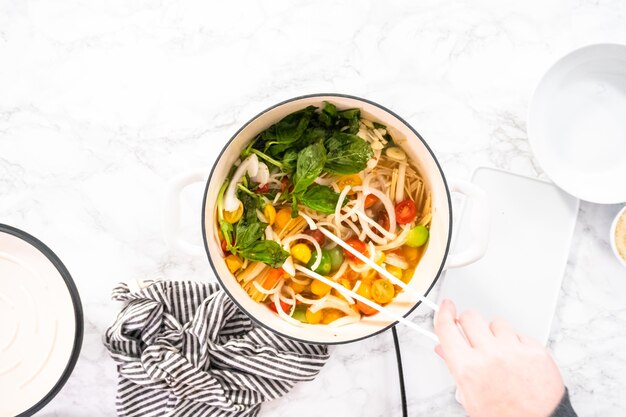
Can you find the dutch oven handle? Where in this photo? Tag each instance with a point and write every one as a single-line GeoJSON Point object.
{"type": "Point", "coordinates": [171, 214]}
{"type": "Point", "coordinates": [476, 211]}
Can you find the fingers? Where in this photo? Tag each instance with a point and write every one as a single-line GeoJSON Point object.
{"type": "Point", "coordinates": [453, 344]}
{"type": "Point", "coordinates": [529, 341]}
{"type": "Point", "coordinates": [475, 328]}
{"type": "Point", "coordinates": [503, 330]}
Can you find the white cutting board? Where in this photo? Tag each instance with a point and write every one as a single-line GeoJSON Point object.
{"type": "Point", "coordinates": [519, 278]}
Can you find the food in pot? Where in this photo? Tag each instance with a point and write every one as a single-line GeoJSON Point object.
{"type": "Point", "coordinates": [331, 168]}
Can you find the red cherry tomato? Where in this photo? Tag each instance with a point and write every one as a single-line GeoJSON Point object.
{"type": "Point", "coordinates": [370, 200]}
{"type": "Point", "coordinates": [383, 220]}
{"type": "Point", "coordinates": [405, 212]}
{"type": "Point", "coordinates": [285, 184]}
{"type": "Point", "coordinates": [356, 244]}
{"type": "Point", "coordinates": [317, 235]}
{"type": "Point", "coordinates": [286, 307]}
{"type": "Point", "coordinates": [262, 189]}
{"type": "Point", "coordinates": [224, 247]}
{"type": "Point", "coordinates": [272, 278]}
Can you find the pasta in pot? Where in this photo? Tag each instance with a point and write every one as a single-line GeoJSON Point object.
{"type": "Point", "coordinates": [322, 167]}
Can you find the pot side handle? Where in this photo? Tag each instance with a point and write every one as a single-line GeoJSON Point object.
{"type": "Point", "coordinates": [476, 211]}
{"type": "Point", "coordinates": [171, 212]}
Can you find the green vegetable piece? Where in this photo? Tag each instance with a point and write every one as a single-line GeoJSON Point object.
{"type": "Point", "coordinates": [267, 251]}
{"type": "Point", "coordinates": [346, 154]}
{"type": "Point", "coordinates": [417, 236]}
{"type": "Point", "coordinates": [282, 135]}
{"type": "Point", "coordinates": [325, 264]}
{"type": "Point", "coordinates": [309, 166]}
{"type": "Point", "coordinates": [350, 119]}
{"type": "Point", "coordinates": [330, 109]}
{"type": "Point", "coordinates": [289, 161]}
{"type": "Point", "coordinates": [299, 313]}
{"type": "Point", "coordinates": [321, 198]}
{"type": "Point", "coordinates": [336, 258]}
{"type": "Point", "coordinates": [247, 234]}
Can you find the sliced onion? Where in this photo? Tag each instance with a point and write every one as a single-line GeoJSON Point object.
{"type": "Point", "coordinates": [397, 242]}
{"type": "Point", "coordinates": [306, 300]}
{"type": "Point", "coordinates": [388, 206]}
{"type": "Point", "coordinates": [331, 301]}
{"type": "Point", "coordinates": [325, 181]}
{"type": "Point", "coordinates": [288, 266]}
{"type": "Point", "coordinates": [309, 221]}
{"type": "Point", "coordinates": [340, 271]}
{"type": "Point", "coordinates": [395, 260]}
{"type": "Point", "coordinates": [356, 286]}
{"type": "Point", "coordinates": [276, 198]}
{"type": "Point", "coordinates": [249, 165]}
{"type": "Point", "coordinates": [252, 273]}
{"type": "Point", "coordinates": [282, 314]}
{"type": "Point", "coordinates": [260, 216]}
{"type": "Point", "coordinates": [262, 290]}
{"type": "Point", "coordinates": [339, 205]}
{"type": "Point", "coordinates": [300, 281]}
{"type": "Point", "coordinates": [262, 175]}
{"type": "Point", "coordinates": [292, 299]}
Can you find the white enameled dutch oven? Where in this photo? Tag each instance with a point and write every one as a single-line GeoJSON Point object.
{"type": "Point", "coordinates": [436, 257]}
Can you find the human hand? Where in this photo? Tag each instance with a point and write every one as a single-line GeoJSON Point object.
{"type": "Point", "coordinates": [497, 372]}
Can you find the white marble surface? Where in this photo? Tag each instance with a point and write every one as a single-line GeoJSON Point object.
{"type": "Point", "coordinates": [101, 102]}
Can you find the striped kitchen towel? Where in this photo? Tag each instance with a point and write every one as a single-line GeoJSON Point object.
{"type": "Point", "coordinates": [185, 349]}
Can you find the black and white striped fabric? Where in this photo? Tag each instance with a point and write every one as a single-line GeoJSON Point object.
{"type": "Point", "coordinates": [185, 349]}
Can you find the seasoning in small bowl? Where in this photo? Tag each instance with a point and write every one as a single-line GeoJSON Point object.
{"type": "Point", "coordinates": [618, 236]}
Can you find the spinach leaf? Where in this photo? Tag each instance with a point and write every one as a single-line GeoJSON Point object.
{"type": "Point", "coordinates": [321, 198]}
{"type": "Point", "coordinates": [309, 166]}
{"type": "Point", "coordinates": [247, 234]}
{"type": "Point", "coordinates": [347, 154]}
{"type": "Point", "coordinates": [266, 251]}
{"type": "Point", "coordinates": [251, 202]}
{"type": "Point", "coordinates": [330, 109]}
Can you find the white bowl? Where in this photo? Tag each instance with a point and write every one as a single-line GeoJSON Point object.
{"type": "Point", "coordinates": [430, 266]}
{"type": "Point", "coordinates": [612, 237]}
{"type": "Point", "coordinates": [577, 123]}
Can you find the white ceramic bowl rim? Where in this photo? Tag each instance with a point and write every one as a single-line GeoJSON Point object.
{"type": "Point", "coordinates": [236, 134]}
{"type": "Point", "coordinates": [78, 314]}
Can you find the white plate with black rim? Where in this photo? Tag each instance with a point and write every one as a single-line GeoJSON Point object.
{"type": "Point", "coordinates": [41, 323]}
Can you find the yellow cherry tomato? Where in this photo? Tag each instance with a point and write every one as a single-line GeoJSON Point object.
{"type": "Point", "coordinates": [319, 288]}
{"type": "Point", "coordinates": [313, 318]}
{"type": "Point", "coordinates": [331, 315]}
{"type": "Point", "coordinates": [233, 262]}
{"type": "Point", "coordinates": [233, 216]}
{"type": "Point", "coordinates": [364, 290]}
{"type": "Point", "coordinates": [382, 291]}
{"type": "Point", "coordinates": [349, 180]}
{"type": "Point", "coordinates": [282, 218]}
{"type": "Point", "coordinates": [407, 275]}
{"type": "Point", "coordinates": [394, 270]}
{"type": "Point", "coordinates": [297, 287]}
{"type": "Point", "coordinates": [381, 258]}
{"type": "Point", "coordinates": [368, 275]}
{"type": "Point", "coordinates": [301, 253]}
{"type": "Point", "coordinates": [270, 214]}
{"type": "Point", "coordinates": [410, 254]}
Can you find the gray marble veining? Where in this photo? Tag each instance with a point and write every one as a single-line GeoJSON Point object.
{"type": "Point", "coordinates": [102, 102]}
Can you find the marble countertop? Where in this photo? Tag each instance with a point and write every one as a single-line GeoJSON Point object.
{"type": "Point", "coordinates": [103, 102]}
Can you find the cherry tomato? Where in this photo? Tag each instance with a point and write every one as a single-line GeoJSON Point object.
{"type": "Point", "coordinates": [262, 189]}
{"type": "Point", "coordinates": [317, 235]}
{"type": "Point", "coordinates": [285, 184]}
{"type": "Point", "coordinates": [405, 211]}
{"type": "Point", "coordinates": [370, 200]}
{"type": "Point", "coordinates": [383, 220]}
{"type": "Point", "coordinates": [364, 291]}
{"type": "Point", "coordinates": [382, 291]}
{"type": "Point", "coordinates": [286, 307]}
{"type": "Point", "coordinates": [357, 245]}
{"type": "Point", "coordinates": [224, 247]}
